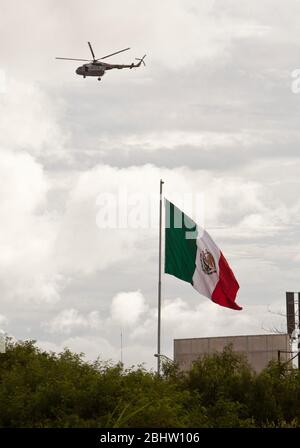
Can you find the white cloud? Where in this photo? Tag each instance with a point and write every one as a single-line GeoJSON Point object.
{"type": "Point", "coordinates": [128, 307]}
{"type": "Point", "coordinates": [30, 121]}
{"type": "Point", "coordinates": [3, 321]}
{"type": "Point", "coordinates": [28, 230]}
{"type": "Point", "coordinates": [92, 347]}
{"type": "Point", "coordinates": [71, 320]}
{"type": "Point", "coordinates": [170, 140]}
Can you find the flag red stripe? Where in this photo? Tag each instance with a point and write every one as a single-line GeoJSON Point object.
{"type": "Point", "coordinates": [227, 287]}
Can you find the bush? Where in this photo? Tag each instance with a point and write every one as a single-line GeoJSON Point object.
{"type": "Point", "coordinates": [40, 389]}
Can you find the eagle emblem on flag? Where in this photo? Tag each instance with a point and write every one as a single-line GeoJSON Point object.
{"type": "Point", "coordinates": [207, 262]}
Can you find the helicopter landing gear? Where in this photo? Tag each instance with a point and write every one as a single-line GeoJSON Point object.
{"type": "Point", "coordinates": [84, 76]}
{"type": "Point", "coordinates": [99, 79]}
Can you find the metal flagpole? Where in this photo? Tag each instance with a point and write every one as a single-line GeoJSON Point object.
{"type": "Point", "coordinates": [159, 280]}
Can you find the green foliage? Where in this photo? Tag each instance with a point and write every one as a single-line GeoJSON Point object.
{"type": "Point", "coordinates": [40, 389]}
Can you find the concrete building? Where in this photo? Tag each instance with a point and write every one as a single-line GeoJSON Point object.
{"type": "Point", "coordinates": [259, 349]}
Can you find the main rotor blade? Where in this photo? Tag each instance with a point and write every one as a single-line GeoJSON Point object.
{"type": "Point", "coordinates": [72, 59]}
{"type": "Point", "coordinates": [112, 54]}
{"type": "Point", "coordinates": [91, 50]}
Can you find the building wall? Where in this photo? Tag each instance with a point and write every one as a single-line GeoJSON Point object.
{"type": "Point", "coordinates": [259, 349]}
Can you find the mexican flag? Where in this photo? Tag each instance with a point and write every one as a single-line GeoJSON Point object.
{"type": "Point", "coordinates": [192, 256]}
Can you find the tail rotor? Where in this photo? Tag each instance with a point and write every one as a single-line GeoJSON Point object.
{"type": "Point", "coordinates": [141, 60]}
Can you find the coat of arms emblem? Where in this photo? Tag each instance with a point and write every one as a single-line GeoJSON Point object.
{"type": "Point", "coordinates": [207, 262]}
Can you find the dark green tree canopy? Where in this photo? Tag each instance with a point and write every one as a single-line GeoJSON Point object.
{"type": "Point", "coordinates": [41, 389]}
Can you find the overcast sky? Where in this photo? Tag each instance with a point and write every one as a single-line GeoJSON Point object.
{"type": "Point", "coordinates": [213, 114]}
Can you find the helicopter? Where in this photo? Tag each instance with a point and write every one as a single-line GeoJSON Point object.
{"type": "Point", "coordinates": [97, 68]}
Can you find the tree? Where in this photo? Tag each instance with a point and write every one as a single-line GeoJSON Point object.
{"type": "Point", "coordinates": [41, 389]}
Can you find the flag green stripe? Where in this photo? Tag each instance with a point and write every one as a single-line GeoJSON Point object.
{"type": "Point", "coordinates": [180, 252]}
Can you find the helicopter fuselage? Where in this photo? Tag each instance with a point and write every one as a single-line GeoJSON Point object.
{"type": "Point", "coordinates": [99, 68]}
{"type": "Point", "coordinates": [92, 69]}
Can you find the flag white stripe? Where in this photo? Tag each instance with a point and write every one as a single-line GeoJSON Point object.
{"type": "Point", "coordinates": [205, 282]}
